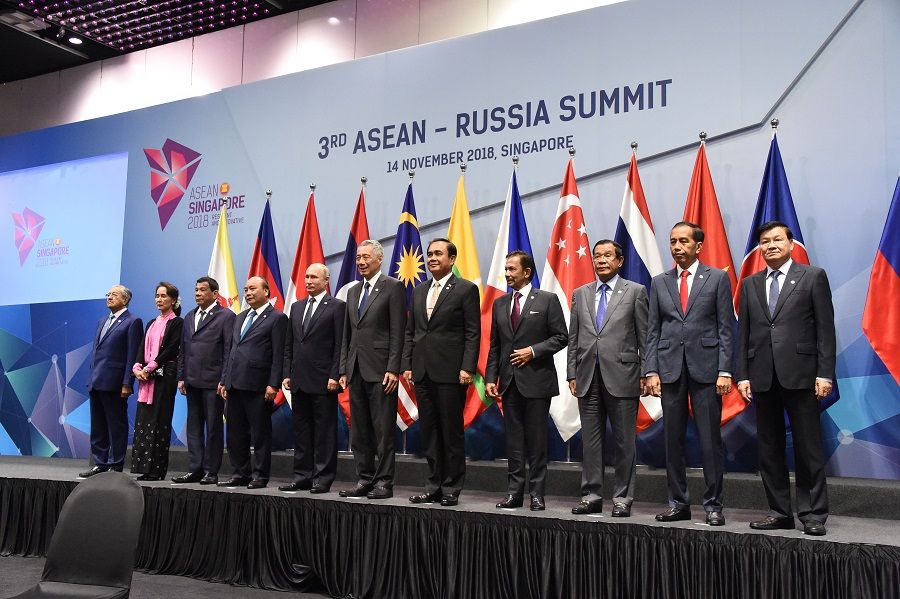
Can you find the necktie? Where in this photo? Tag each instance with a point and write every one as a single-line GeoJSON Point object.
{"type": "Point", "coordinates": [365, 298]}
{"type": "Point", "coordinates": [432, 299]}
{"type": "Point", "coordinates": [309, 310]}
{"type": "Point", "coordinates": [248, 323]}
{"type": "Point", "coordinates": [200, 320]}
{"type": "Point", "coordinates": [683, 291]}
{"type": "Point", "coordinates": [516, 314]}
{"type": "Point", "coordinates": [774, 289]}
{"type": "Point", "coordinates": [601, 307]}
{"type": "Point", "coordinates": [106, 326]}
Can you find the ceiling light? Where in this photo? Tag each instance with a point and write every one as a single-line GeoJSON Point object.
{"type": "Point", "coordinates": [75, 40]}
{"type": "Point", "coordinates": [334, 21]}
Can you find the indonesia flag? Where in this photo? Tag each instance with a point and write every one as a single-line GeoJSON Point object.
{"type": "Point", "coordinates": [221, 267]}
{"type": "Point", "coordinates": [702, 208]}
{"type": "Point", "coordinates": [513, 235]}
{"type": "Point", "coordinates": [642, 262]}
{"type": "Point", "coordinates": [264, 262]}
{"type": "Point", "coordinates": [309, 251]}
{"type": "Point", "coordinates": [881, 317]}
{"type": "Point", "coordinates": [568, 266]}
{"type": "Point", "coordinates": [349, 276]}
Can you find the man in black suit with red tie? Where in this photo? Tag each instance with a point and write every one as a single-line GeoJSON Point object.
{"type": "Point", "coordinates": [312, 359]}
{"type": "Point", "coordinates": [527, 329]}
{"type": "Point", "coordinates": [251, 382]}
{"type": "Point", "coordinates": [440, 355]}
{"type": "Point", "coordinates": [786, 363]}
{"type": "Point", "coordinates": [205, 345]}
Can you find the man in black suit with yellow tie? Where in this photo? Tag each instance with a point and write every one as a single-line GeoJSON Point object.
{"type": "Point", "coordinates": [370, 365]}
{"type": "Point", "coordinates": [312, 360]}
{"type": "Point", "coordinates": [251, 382]}
{"type": "Point", "coordinates": [527, 329]}
{"type": "Point", "coordinates": [440, 355]}
{"type": "Point", "coordinates": [786, 363]}
{"type": "Point", "coordinates": [205, 345]}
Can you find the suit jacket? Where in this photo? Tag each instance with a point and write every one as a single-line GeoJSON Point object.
{"type": "Point", "coordinates": [373, 341]}
{"type": "Point", "coordinates": [541, 326]}
{"type": "Point", "coordinates": [167, 357]}
{"type": "Point", "coordinates": [313, 357]}
{"type": "Point", "coordinates": [449, 341]}
{"type": "Point", "coordinates": [256, 361]}
{"type": "Point", "coordinates": [116, 353]}
{"type": "Point", "coordinates": [620, 343]}
{"type": "Point", "coordinates": [201, 362]}
{"type": "Point", "coordinates": [798, 343]}
{"type": "Point", "coordinates": [703, 336]}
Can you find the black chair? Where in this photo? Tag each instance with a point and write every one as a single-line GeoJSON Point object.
{"type": "Point", "coordinates": [91, 553]}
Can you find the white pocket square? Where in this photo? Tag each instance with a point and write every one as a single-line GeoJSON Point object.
{"type": "Point", "coordinates": [533, 312]}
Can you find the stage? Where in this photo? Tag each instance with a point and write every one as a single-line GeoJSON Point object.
{"type": "Point", "coordinates": [393, 549]}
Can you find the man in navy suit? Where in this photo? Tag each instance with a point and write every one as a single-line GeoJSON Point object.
{"type": "Point", "coordinates": [115, 351]}
{"type": "Point", "coordinates": [312, 360]}
{"type": "Point", "coordinates": [689, 352]}
{"type": "Point", "coordinates": [250, 383]}
{"type": "Point", "coordinates": [205, 345]}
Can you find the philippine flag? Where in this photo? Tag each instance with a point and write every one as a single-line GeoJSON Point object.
{"type": "Point", "coordinates": [642, 262]}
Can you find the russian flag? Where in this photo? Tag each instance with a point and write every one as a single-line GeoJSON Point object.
{"type": "Point", "coordinates": [264, 262]}
{"type": "Point", "coordinates": [634, 233]}
{"type": "Point", "coordinates": [881, 317]}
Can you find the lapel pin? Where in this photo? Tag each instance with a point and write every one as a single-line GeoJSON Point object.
{"type": "Point", "coordinates": [792, 282]}
{"type": "Point", "coordinates": [701, 276]}
{"type": "Point", "coordinates": [620, 291]}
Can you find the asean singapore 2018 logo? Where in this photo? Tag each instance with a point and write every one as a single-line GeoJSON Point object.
{"type": "Point", "coordinates": [28, 228]}
{"type": "Point", "coordinates": [172, 168]}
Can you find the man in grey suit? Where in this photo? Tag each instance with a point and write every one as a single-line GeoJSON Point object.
{"type": "Point", "coordinates": [205, 345]}
{"type": "Point", "coordinates": [607, 333]}
{"type": "Point", "coordinates": [440, 355]}
{"type": "Point", "coordinates": [527, 329]}
{"type": "Point", "coordinates": [370, 365]}
{"type": "Point", "coordinates": [689, 352]}
{"type": "Point", "coordinates": [786, 363]}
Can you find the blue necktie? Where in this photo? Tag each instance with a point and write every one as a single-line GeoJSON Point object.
{"type": "Point", "coordinates": [365, 298]}
{"type": "Point", "coordinates": [106, 327]}
{"type": "Point", "coordinates": [248, 323]}
{"type": "Point", "coordinates": [774, 289]}
{"type": "Point", "coordinates": [601, 307]}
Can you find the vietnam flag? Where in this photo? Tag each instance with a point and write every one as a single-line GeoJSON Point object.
{"type": "Point", "coordinates": [702, 208]}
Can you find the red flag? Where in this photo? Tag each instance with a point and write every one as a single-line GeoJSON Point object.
{"type": "Point", "coordinates": [702, 208]}
{"type": "Point", "coordinates": [309, 251]}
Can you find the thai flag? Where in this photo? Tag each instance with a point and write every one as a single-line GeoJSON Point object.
{"type": "Point", "coordinates": [881, 317]}
{"type": "Point", "coordinates": [264, 262]}
{"type": "Point", "coordinates": [642, 262]}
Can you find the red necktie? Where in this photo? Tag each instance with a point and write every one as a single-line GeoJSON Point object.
{"type": "Point", "coordinates": [684, 291]}
{"type": "Point", "coordinates": [516, 311]}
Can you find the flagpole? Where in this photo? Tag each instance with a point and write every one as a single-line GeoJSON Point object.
{"type": "Point", "coordinates": [774, 122]}
{"type": "Point", "coordinates": [412, 175]}
{"type": "Point", "coordinates": [634, 147]}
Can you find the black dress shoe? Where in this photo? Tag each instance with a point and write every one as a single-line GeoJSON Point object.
{"type": "Point", "coordinates": [293, 487]}
{"type": "Point", "coordinates": [190, 477]}
{"type": "Point", "coordinates": [257, 483]}
{"type": "Point", "coordinates": [235, 481]}
{"type": "Point", "coordinates": [537, 503]}
{"type": "Point", "coordinates": [319, 489]}
{"type": "Point", "coordinates": [425, 498]}
{"type": "Point", "coordinates": [510, 502]}
{"type": "Point", "coordinates": [813, 528]}
{"type": "Point", "coordinates": [357, 491]}
{"type": "Point", "coordinates": [380, 493]}
{"type": "Point", "coordinates": [92, 472]}
{"type": "Point", "coordinates": [773, 523]}
{"type": "Point", "coordinates": [588, 507]}
{"type": "Point", "coordinates": [715, 518]}
{"type": "Point", "coordinates": [449, 500]}
{"type": "Point", "coordinates": [674, 514]}
{"type": "Point", "coordinates": [210, 479]}
{"type": "Point", "coordinates": [621, 510]}
{"type": "Point", "coordinates": [147, 478]}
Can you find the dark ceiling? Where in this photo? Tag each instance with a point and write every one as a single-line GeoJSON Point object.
{"type": "Point", "coordinates": [36, 36]}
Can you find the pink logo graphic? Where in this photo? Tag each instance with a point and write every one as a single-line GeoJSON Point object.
{"type": "Point", "coordinates": [171, 171]}
{"type": "Point", "coordinates": [28, 229]}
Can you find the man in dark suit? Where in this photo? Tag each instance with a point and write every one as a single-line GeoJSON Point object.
{"type": "Point", "coordinates": [251, 382]}
{"type": "Point", "coordinates": [440, 356]}
{"type": "Point", "coordinates": [527, 328]}
{"type": "Point", "coordinates": [312, 360]}
{"type": "Point", "coordinates": [786, 363]}
{"type": "Point", "coordinates": [607, 336]}
{"type": "Point", "coordinates": [115, 351]}
{"type": "Point", "coordinates": [370, 364]}
{"type": "Point", "coordinates": [205, 345]}
{"type": "Point", "coordinates": [689, 353]}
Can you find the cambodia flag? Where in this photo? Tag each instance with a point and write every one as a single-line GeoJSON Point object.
{"type": "Point", "coordinates": [642, 262]}
{"type": "Point", "coordinates": [881, 317]}
{"type": "Point", "coordinates": [264, 262]}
